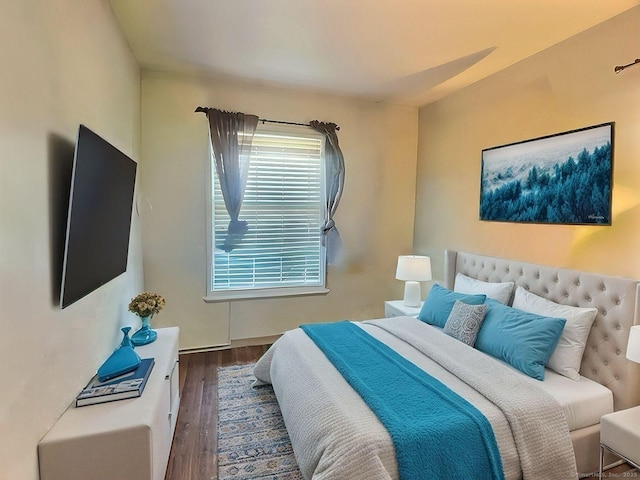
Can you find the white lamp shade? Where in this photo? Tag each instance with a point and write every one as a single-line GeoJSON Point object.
{"type": "Point", "coordinates": [415, 268]}
{"type": "Point", "coordinates": [633, 347]}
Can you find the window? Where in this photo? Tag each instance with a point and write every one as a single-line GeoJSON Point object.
{"type": "Point", "coordinates": [282, 252]}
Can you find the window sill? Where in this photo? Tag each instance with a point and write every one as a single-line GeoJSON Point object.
{"type": "Point", "coordinates": [263, 293]}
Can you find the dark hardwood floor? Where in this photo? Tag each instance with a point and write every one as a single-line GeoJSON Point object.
{"type": "Point", "coordinates": [193, 453]}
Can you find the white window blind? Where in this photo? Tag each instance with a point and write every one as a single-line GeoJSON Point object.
{"type": "Point", "coordinates": [283, 205]}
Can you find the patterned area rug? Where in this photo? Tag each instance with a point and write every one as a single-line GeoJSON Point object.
{"type": "Point", "coordinates": [253, 442]}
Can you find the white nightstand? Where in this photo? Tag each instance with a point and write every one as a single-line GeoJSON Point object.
{"type": "Point", "coordinates": [620, 434]}
{"type": "Point", "coordinates": [395, 308]}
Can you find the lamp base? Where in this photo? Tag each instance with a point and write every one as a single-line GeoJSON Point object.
{"type": "Point", "coordinates": [411, 294]}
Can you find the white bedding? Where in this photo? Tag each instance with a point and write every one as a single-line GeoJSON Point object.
{"type": "Point", "coordinates": [331, 445]}
{"type": "Point", "coordinates": [583, 401]}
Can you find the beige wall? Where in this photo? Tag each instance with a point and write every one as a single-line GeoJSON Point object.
{"type": "Point", "coordinates": [63, 63]}
{"type": "Point", "coordinates": [375, 216]}
{"type": "Point", "coordinates": [568, 86]}
{"type": "Point", "coordinates": [67, 64]}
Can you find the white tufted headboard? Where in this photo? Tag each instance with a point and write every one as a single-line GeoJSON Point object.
{"type": "Point", "coordinates": [616, 298]}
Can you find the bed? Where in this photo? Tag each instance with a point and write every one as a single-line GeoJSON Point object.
{"type": "Point", "coordinates": [336, 435]}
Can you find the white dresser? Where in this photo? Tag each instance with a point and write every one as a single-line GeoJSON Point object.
{"type": "Point", "coordinates": [126, 439]}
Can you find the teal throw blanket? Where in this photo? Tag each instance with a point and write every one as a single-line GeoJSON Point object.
{"type": "Point", "coordinates": [436, 433]}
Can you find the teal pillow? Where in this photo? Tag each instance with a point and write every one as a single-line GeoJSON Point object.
{"type": "Point", "coordinates": [523, 340]}
{"type": "Point", "coordinates": [438, 304]}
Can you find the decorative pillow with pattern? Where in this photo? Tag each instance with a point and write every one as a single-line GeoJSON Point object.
{"type": "Point", "coordinates": [465, 321]}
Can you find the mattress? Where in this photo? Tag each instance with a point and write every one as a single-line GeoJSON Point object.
{"type": "Point", "coordinates": [583, 401]}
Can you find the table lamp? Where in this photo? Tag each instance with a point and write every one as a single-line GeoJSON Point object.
{"type": "Point", "coordinates": [413, 269]}
{"type": "Point", "coordinates": [633, 347]}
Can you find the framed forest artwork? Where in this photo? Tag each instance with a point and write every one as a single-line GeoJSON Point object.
{"type": "Point", "coordinates": [564, 178]}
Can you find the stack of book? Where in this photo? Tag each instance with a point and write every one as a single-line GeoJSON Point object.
{"type": "Point", "coordinates": [129, 385]}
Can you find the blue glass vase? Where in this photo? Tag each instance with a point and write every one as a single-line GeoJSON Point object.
{"type": "Point", "coordinates": [121, 361]}
{"type": "Point", "coordinates": [145, 334]}
{"type": "Point", "coordinates": [126, 341]}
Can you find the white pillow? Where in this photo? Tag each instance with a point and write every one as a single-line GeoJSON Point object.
{"type": "Point", "coordinates": [498, 291]}
{"type": "Point", "coordinates": [567, 356]}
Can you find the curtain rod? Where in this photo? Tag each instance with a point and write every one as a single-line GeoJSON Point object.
{"type": "Point", "coordinates": [619, 68]}
{"type": "Point", "coordinates": [265, 120]}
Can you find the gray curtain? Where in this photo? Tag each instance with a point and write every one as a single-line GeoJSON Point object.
{"type": "Point", "coordinates": [334, 183]}
{"type": "Point", "coordinates": [231, 137]}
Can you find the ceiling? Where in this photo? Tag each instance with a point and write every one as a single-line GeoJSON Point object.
{"type": "Point", "coordinates": [409, 52]}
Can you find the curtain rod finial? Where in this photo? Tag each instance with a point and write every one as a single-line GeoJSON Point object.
{"type": "Point", "coordinates": [619, 68]}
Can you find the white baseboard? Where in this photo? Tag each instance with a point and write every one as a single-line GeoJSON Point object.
{"type": "Point", "coordinates": [242, 342]}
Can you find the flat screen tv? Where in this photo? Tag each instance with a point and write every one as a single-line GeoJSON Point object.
{"type": "Point", "coordinates": [99, 218]}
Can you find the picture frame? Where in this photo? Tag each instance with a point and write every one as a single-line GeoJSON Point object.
{"type": "Point", "coordinates": [564, 178]}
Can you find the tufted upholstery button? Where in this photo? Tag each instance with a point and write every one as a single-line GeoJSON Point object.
{"type": "Point", "coordinates": [606, 338]}
{"type": "Point", "coordinates": [604, 314]}
{"type": "Point", "coordinates": [617, 377]}
{"type": "Point", "coordinates": [594, 371]}
{"type": "Point", "coordinates": [605, 363]}
{"type": "Point", "coordinates": [618, 301]}
{"type": "Point", "coordinates": [618, 352]}
{"type": "Point", "coordinates": [577, 283]}
{"type": "Point", "coordinates": [618, 327]}
{"type": "Point", "coordinates": [594, 348]}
